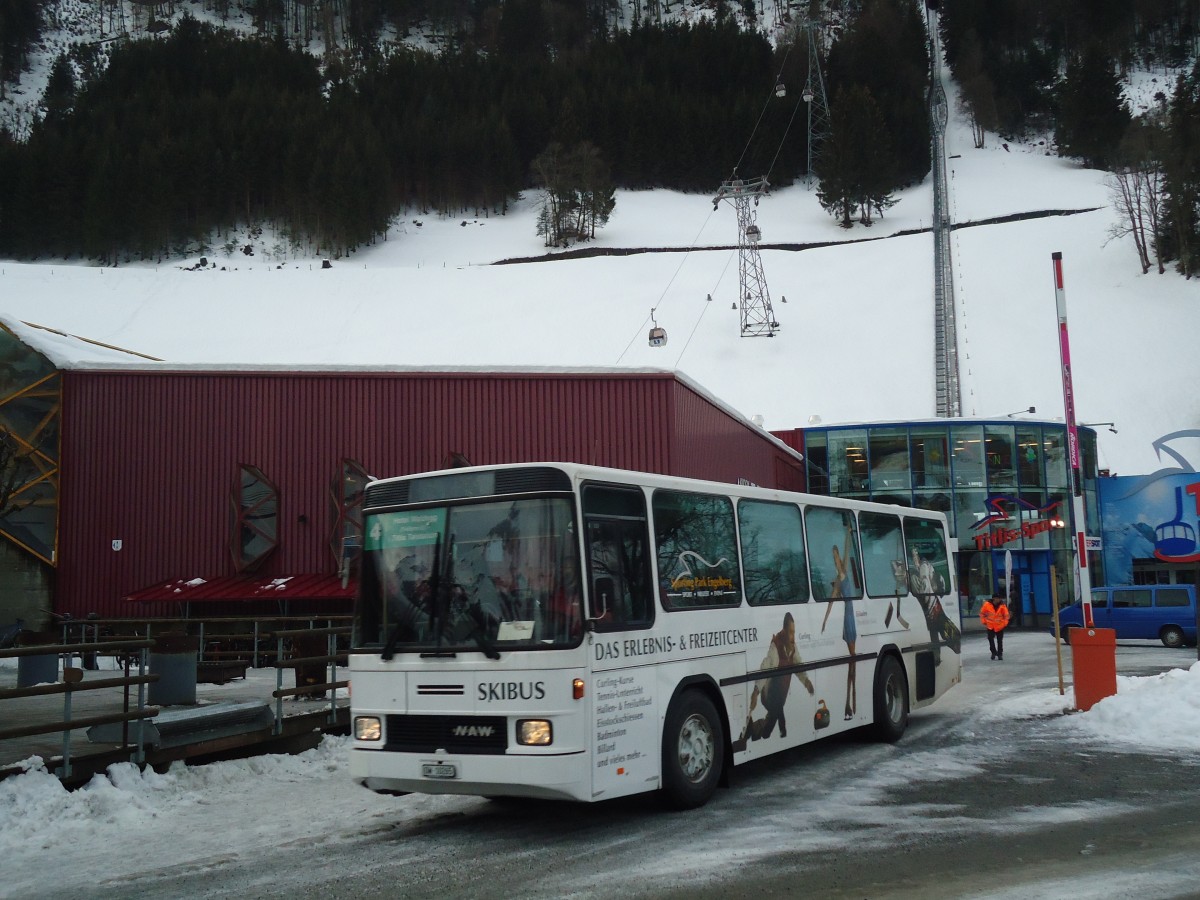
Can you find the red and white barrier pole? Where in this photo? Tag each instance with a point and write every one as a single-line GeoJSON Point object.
{"type": "Point", "coordinates": [1083, 588]}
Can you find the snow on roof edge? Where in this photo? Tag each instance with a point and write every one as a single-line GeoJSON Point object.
{"type": "Point", "coordinates": [49, 342]}
{"type": "Point", "coordinates": [62, 348]}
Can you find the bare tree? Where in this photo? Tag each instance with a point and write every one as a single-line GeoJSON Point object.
{"type": "Point", "coordinates": [578, 194]}
{"type": "Point", "coordinates": [550, 174]}
{"type": "Point", "coordinates": [1137, 190]}
{"type": "Point", "coordinates": [978, 95]}
{"type": "Point", "coordinates": [594, 190]}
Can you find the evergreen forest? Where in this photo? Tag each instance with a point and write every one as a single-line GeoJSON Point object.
{"type": "Point", "coordinates": [1031, 67]}
{"type": "Point", "coordinates": [161, 139]}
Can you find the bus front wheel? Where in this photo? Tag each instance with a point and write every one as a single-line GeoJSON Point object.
{"type": "Point", "coordinates": [891, 700]}
{"type": "Point", "coordinates": [693, 751]}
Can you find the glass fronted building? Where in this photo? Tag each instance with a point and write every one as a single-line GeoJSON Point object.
{"type": "Point", "coordinates": [1004, 485]}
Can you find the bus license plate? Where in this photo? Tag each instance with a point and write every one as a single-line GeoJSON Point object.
{"type": "Point", "coordinates": [439, 770]}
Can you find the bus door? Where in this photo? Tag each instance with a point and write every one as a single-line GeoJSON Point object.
{"type": "Point", "coordinates": [625, 734]}
{"type": "Point", "coordinates": [930, 580]}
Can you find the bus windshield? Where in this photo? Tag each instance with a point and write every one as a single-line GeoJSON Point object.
{"type": "Point", "coordinates": [490, 577]}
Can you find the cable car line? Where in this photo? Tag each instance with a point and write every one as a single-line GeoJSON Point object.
{"type": "Point", "coordinates": [703, 310]}
{"type": "Point", "coordinates": [754, 320]}
{"type": "Point", "coordinates": [777, 90]}
{"type": "Point", "coordinates": [661, 296]}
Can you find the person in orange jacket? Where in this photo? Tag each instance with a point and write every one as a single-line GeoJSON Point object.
{"type": "Point", "coordinates": [994, 616]}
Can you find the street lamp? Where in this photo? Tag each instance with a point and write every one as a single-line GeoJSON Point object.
{"type": "Point", "coordinates": [1021, 412]}
{"type": "Point", "coordinates": [1111, 426]}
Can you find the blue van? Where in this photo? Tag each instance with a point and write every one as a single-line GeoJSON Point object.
{"type": "Point", "coordinates": [1165, 612]}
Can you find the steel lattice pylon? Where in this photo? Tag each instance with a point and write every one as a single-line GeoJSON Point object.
{"type": "Point", "coordinates": [754, 300]}
{"type": "Point", "coordinates": [945, 337]}
{"type": "Point", "coordinates": [814, 98]}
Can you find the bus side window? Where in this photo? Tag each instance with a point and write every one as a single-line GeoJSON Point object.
{"type": "Point", "coordinates": [833, 557]}
{"type": "Point", "coordinates": [772, 543]}
{"type": "Point", "coordinates": [697, 550]}
{"type": "Point", "coordinates": [882, 540]}
{"type": "Point", "coordinates": [618, 556]}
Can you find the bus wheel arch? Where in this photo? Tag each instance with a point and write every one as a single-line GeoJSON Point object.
{"type": "Point", "coordinates": [890, 698]}
{"type": "Point", "coordinates": [695, 746]}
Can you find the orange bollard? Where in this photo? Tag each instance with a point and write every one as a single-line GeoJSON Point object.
{"type": "Point", "coordinates": [1093, 665]}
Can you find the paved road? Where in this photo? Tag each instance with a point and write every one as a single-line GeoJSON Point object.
{"type": "Point", "coordinates": [976, 801]}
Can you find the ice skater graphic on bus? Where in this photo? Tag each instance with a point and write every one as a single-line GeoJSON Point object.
{"type": "Point", "coordinates": [773, 690]}
{"type": "Point", "coordinates": [900, 574]}
{"type": "Point", "coordinates": [928, 585]}
{"type": "Point", "coordinates": [843, 589]}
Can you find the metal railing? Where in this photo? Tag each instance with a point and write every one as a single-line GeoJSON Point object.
{"type": "Point", "coordinates": [221, 637]}
{"type": "Point", "coordinates": [329, 661]}
{"type": "Point", "coordinates": [73, 683]}
{"type": "Point", "coordinates": [131, 642]}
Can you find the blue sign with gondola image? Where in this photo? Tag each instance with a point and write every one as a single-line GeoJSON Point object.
{"type": "Point", "coordinates": [1149, 517]}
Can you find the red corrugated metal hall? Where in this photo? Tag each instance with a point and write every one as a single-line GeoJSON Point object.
{"type": "Point", "coordinates": [166, 479]}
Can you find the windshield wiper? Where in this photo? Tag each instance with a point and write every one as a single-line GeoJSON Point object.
{"type": "Point", "coordinates": [389, 649]}
{"type": "Point", "coordinates": [441, 591]}
{"type": "Point", "coordinates": [481, 638]}
{"type": "Point", "coordinates": [438, 596]}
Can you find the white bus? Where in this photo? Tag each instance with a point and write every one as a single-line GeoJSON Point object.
{"type": "Point", "coordinates": [565, 631]}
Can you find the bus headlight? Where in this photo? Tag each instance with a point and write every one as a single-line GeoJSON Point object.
{"type": "Point", "coordinates": [367, 728]}
{"type": "Point", "coordinates": [534, 732]}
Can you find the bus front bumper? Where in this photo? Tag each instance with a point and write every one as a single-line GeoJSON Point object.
{"type": "Point", "coordinates": [557, 777]}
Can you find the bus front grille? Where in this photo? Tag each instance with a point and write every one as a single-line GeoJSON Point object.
{"type": "Point", "coordinates": [440, 690]}
{"type": "Point", "coordinates": [454, 734]}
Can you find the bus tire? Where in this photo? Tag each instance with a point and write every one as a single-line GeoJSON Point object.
{"type": "Point", "coordinates": [693, 751]}
{"type": "Point", "coordinates": [891, 700]}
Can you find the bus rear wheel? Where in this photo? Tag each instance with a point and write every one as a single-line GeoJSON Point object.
{"type": "Point", "coordinates": [891, 700]}
{"type": "Point", "coordinates": [693, 751]}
